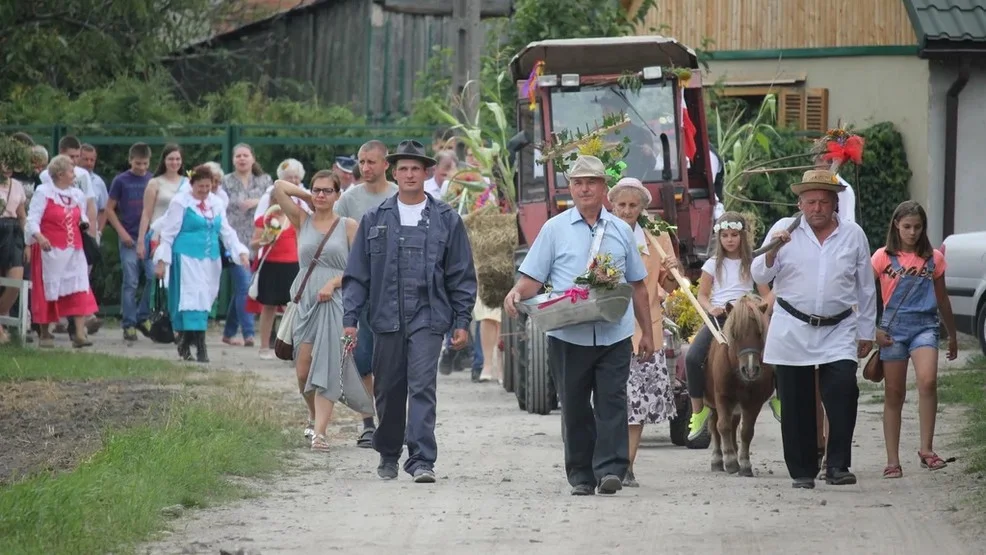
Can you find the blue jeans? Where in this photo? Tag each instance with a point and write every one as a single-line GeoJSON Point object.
{"type": "Point", "coordinates": [236, 314]}
{"type": "Point", "coordinates": [364, 346]}
{"type": "Point", "coordinates": [132, 267]}
{"type": "Point", "coordinates": [911, 332]}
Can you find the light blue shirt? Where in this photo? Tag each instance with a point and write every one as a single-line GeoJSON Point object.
{"type": "Point", "coordinates": [560, 254]}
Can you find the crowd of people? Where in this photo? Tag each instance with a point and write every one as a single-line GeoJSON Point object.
{"type": "Point", "coordinates": [380, 283]}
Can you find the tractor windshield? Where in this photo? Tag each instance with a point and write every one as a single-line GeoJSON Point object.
{"type": "Point", "coordinates": [651, 112]}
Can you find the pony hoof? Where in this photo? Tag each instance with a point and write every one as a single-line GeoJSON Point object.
{"type": "Point", "coordinates": [717, 467]}
{"type": "Point", "coordinates": [746, 471]}
{"type": "Point", "coordinates": [732, 467]}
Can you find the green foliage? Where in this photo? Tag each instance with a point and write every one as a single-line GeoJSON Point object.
{"type": "Point", "coordinates": [535, 20]}
{"type": "Point", "coordinates": [432, 89]}
{"type": "Point", "coordinates": [882, 180]}
{"type": "Point", "coordinates": [13, 155]}
{"type": "Point", "coordinates": [682, 312]}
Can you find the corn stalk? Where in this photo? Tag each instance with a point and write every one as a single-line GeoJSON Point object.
{"type": "Point", "coordinates": [494, 160]}
{"type": "Point", "coordinates": [743, 145]}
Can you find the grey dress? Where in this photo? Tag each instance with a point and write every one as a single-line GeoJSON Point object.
{"type": "Point", "coordinates": [321, 323]}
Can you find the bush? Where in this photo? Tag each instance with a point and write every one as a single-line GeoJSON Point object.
{"type": "Point", "coordinates": [681, 311]}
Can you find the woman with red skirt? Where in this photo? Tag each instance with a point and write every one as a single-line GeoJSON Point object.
{"type": "Point", "coordinates": [56, 220]}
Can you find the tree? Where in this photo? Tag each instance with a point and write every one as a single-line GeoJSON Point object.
{"type": "Point", "coordinates": [571, 19]}
{"type": "Point", "coordinates": [76, 45]}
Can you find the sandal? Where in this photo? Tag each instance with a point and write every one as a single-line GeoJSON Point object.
{"type": "Point", "coordinates": [320, 444]}
{"type": "Point", "coordinates": [893, 471]}
{"type": "Point", "coordinates": [232, 341]}
{"type": "Point", "coordinates": [248, 342]}
{"type": "Point", "coordinates": [932, 461]}
{"type": "Point", "coordinates": [365, 439]}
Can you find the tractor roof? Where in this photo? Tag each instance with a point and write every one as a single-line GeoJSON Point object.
{"type": "Point", "coordinates": [601, 56]}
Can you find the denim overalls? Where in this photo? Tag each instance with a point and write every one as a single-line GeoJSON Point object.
{"type": "Point", "coordinates": [911, 314]}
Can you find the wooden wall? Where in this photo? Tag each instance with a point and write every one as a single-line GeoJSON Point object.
{"type": "Point", "coordinates": [775, 24]}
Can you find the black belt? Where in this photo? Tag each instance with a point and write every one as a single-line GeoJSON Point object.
{"type": "Point", "coordinates": [814, 319]}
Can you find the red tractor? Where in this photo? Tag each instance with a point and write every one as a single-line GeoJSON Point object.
{"type": "Point", "coordinates": [574, 83]}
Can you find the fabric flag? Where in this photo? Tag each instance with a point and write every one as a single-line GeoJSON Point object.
{"type": "Point", "coordinates": [688, 130]}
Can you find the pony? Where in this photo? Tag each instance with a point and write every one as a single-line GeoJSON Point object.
{"type": "Point", "coordinates": [737, 384]}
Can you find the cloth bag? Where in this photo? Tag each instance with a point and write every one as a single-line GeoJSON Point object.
{"type": "Point", "coordinates": [284, 343]}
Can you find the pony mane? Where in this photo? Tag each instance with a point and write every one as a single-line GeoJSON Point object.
{"type": "Point", "coordinates": [745, 312]}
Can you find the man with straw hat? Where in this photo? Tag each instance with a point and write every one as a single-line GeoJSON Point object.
{"type": "Point", "coordinates": [411, 264]}
{"type": "Point", "coordinates": [590, 363]}
{"type": "Point", "coordinates": [817, 280]}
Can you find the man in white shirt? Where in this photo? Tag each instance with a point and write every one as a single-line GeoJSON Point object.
{"type": "Point", "coordinates": [817, 280]}
{"type": "Point", "coordinates": [87, 160]}
{"type": "Point", "coordinates": [444, 169]}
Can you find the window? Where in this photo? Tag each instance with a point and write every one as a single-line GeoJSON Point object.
{"type": "Point", "coordinates": [530, 174]}
{"type": "Point", "coordinates": [798, 107]}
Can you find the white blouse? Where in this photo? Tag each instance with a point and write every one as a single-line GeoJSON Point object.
{"type": "Point", "coordinates": [36, 210]}
{"type": "Point", "coordinates": [171, 221]}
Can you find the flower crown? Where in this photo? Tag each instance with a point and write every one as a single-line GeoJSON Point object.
{"type": "Point", "coordinates": [738, 226]}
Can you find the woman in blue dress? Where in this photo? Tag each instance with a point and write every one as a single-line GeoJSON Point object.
{"type": "Point", "coordinates": [189, 252]}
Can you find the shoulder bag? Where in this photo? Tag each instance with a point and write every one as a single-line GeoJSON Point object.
{"type": "Point", "coordinates": [284, 344]}
{"type": "Point", "coordinates": [872, 365]}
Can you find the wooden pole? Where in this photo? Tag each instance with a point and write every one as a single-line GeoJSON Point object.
{"type": "Point", "coordinates": [686, 287]}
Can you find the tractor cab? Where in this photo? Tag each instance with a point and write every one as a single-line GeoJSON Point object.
{"type": "Point", "coordinates": [655, 82]}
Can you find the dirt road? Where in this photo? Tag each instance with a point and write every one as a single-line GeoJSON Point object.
{"type": "Point", "coordinates": [502, 489]}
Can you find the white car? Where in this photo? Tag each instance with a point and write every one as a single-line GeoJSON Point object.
{"type": "Point", "coordinates": [965, 280]}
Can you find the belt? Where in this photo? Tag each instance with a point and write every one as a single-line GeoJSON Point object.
{"type": "Point", "coordinates": [814, 320]}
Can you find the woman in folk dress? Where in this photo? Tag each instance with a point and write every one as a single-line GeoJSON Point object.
{"type": "Point", "coordinates": [189, 246]}
{"type": "Point", "coordinates": [650, 394]}
{"type": "Point", "coordinates": [54, 229]}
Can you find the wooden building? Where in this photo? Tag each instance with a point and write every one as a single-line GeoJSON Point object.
{"type": "Point", "coordinates": [860, 62]}
{"type": "Point", "coordinates": [365, 54]}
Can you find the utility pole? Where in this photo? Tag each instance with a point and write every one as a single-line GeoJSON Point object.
{"type": "Point", "coordinates": [468, 46]}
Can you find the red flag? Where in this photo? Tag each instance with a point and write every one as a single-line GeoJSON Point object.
{"type": "Point", "coordinates": [688, 130]}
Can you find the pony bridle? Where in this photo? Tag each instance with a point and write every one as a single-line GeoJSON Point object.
{"type": "Point", "coordinates": [749, 358]}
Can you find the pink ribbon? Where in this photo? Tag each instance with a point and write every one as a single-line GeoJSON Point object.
{"type": "Point", "coordinates": [575, 294]}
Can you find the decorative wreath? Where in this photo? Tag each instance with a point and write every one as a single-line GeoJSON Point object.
{"type": "Point", "coordinates": [738, 226]}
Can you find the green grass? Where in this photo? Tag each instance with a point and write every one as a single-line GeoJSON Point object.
{"type": "Point", "coordinates": [112, 500]}
{"type": "Point", "coordinates": [19, 363]}
{"type": "Point", "coordinates": [968, 387]}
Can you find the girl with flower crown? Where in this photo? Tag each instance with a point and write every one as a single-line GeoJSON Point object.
{"type": "Point", "coordinates": [725, 278]}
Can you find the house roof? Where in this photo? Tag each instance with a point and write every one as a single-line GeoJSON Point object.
{"type": "Point", "coordinates": [948, 25]}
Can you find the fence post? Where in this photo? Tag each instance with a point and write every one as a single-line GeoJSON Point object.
{"type": "Point", "coordinates": [57, 132]}
{"type": "Point", "coordinates": [232, 138]}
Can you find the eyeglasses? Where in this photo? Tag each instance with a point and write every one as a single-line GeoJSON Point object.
{"type": "Point", "coordinates": [323, 191]}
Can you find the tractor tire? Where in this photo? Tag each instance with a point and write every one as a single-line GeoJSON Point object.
{"type": "Point", "coordinates": [520, 364]}
{"type": "Point", "coordinates": [511, 351]}
{"type": "Point", "coordinates": [679, 425]}
{"type": "Point", "coordinates": [539, 389]}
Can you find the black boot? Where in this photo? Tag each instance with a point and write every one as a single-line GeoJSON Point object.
{"type": "Point", "coordinates": [184, 343]}
{"type": "Point", "coordinates": [201, 354]}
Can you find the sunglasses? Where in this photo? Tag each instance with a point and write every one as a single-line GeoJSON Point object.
{"type": "Point", "coordinates": [323, 191]}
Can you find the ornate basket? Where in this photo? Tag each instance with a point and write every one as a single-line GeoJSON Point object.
{"type": "Point", "coordinates": [552, 311]}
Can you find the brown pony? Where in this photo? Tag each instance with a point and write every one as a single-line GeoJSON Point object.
{"type": "Point", "coordinates": [737, 383]}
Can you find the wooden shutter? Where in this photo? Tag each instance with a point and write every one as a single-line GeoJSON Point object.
{"type": "Point", "coordinates": [791, 108]}
{"type": "Point", "coordinates": [817, 110]}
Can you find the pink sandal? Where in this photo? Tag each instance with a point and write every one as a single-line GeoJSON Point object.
{"type": "Point", "coordinates": [931, 461]}
{"type": "Point", "coordinates": [893, 471]}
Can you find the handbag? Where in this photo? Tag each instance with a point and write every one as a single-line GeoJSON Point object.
{"type": "Point", "coordinates": [552, 311]}
{"type": "Point", "coordinates": [89, 246]}
{"type": "Point", "coordinates": [161, 330]}
{"type": "Point", "coordinates": [254, 290]}
{"type": "Point", "coordinates": [284, 344]}
{"type": "Point", "coordinates": [872, 364]}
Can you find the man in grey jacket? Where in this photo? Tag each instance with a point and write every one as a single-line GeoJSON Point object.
{"type": "Point", "coordinates": [411, 264]}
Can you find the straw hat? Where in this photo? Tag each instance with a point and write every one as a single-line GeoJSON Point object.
{"type": "Point", "coordinates": [587, 166]}
{"type": "Point", "coordinates": [630, 183]}
{"type": "Point", "coordinates": [818, 180]}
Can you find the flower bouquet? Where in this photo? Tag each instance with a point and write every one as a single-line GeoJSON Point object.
{"type": "Point", "coordinates": [274, 224]}
{"type": "Point", "coordinates": [598, 295]}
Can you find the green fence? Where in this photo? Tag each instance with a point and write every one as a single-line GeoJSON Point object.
{"type": "Point", "coordinates": [315, 146]}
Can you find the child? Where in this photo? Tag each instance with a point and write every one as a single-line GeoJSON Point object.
{"type": "Point", "coordinates": [725, 278]}
{"type": "Point", "coordinates": [912, 285]}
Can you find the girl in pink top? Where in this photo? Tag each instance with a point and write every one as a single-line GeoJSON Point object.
{"type": "Point", "coordinates": [12, 217]}
{"type": "Point", "coordinates": [911, 275]}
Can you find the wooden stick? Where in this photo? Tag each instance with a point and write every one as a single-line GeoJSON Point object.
{"type": "Point", "coordinates": [686, 287]}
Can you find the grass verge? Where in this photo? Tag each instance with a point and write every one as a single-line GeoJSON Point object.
{"type": "Point", "coordinates": [114, 498]}
{"type": "Point", "coordinates": [967, 387]}
{"type": "Point", "coordinates": [23, 363]}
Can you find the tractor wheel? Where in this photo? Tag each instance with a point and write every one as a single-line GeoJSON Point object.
{"type": "Point", "coordinates": [520, 364]}
{"type": "Point", "coordinates": [679, 425]}
{"type": "Point", "coordinates": [511, 352]}
{"type": "Point", "coordinates": [539, 390]}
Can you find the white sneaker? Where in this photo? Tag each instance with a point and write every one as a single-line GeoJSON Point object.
{"type": "Point", "coordinates": [266, 354]}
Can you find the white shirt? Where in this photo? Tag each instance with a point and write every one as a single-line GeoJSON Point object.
{"type": "Point", "coordinates": [730, 285]}
{"type": "Point", "coordinates": [821, 279]}
{"type": "Point", "coordinates": [411, 213]}
{"type": "Point", "coordinates": [81, 181]}
{"type": "Point", "coordinates": [847, 203]}
{"type": "Point", "coordinates": [433, 188]}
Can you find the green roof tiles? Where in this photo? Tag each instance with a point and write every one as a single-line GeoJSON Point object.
{"type": "Point", "coordinates": [948, 21]}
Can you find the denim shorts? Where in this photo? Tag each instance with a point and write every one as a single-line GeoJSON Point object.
{"type": "Point", "coordinates": [910, 332]}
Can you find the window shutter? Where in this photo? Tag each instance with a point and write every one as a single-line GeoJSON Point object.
{"type": "Point", "coordinates": [817, 110]}
{"type": "Point", "coordinates": [791, 108]}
